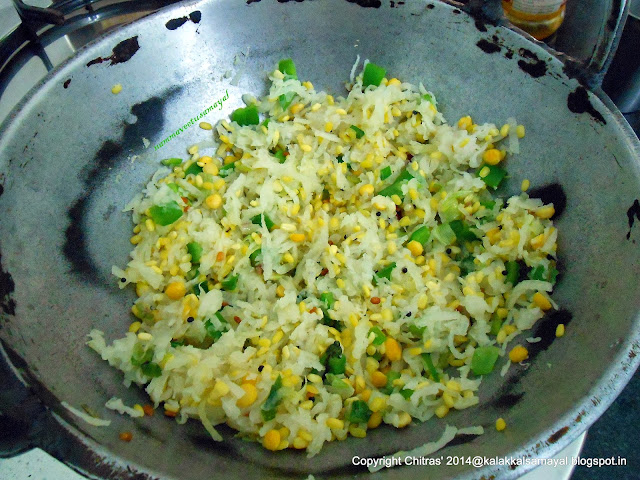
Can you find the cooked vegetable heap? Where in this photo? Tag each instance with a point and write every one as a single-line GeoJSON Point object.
{"type": "Point", "coordinates": [332, 265]}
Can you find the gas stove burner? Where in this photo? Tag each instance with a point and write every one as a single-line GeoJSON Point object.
{"type": "Point", "coordinates": [42, 38]}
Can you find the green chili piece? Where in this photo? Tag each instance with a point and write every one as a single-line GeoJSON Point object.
{"type": "Point", "coordinates": [359, 132]}
{"type": "Point", "coordinates": [287, 67]}
{"type": "Point", "coordinates": [494, 177]}
{"type": "Point", "coordinates": [484, 359]}
{"type": "Point", "coordinates": [427, 97]}
{"type": "Point", "coordinates": [174, 187]}
{"type": "Point", "coordinates": [428, 362]}
{"type": "Point", "coordinates": [166, 214]}
{"type": "Point", "coordinates": [177, 343]}
{"type": "Point", "coordinates": [385, 173]}
{"type": "Point", "coordinates": [195, 250]}
{"type": "Point", "coordinates": [171, 162]}
{"type": "Point", "coordinates": [359, 411]}
{"type": "Point", "coordinates": [513, 272]}
{"type": "Point", "coordinates": [230, 283]}
{"type": "Point", "coordinates": [379, 336]}
{"type": "Point", "coordinates": [372, 75]}
{"type": "Point", "coordinates": [257, 220]}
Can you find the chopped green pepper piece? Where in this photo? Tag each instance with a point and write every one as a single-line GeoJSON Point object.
{"type": "Point", "coordinates": [496, 325]}
{"type": "Point", "coordinates": [379, 336]}
{"type": "Point", "coordinates": [372, 75]}
{"type": "Point", "coordinates": [270, 405]}
{"type": "Point", "coordinates": [230, 283]}
{"type": "Point", "coordinates": [171, 162]}
{"type": "Point", "coordinates": [444, 234]}
{"type": "Point", "coordinates": [195, 250]}
{"type": "Point", "coordinates": [359, 132]}
{"type": "Point", "coordinates": [385, 173]}
{"type": "Point", "coordinates": [226, 170]}
{"type": "Point", "coordinates": [494, 177]}
{"type": "Point", "coordinates": [265, 122]}
{"type": "Point", "coordinates": [406, 393]}
{"type": "Point", "coordinates": [488, 204]}
{"type": "Point", "coordinates": [467, 265]}
{"type": "Point", "coordinates": [427, 97]}
{"type": "Point", "coordinates": [336, 365]}
{"type": "Point", "coordinates": [166, 214]}
{"type": "Point", "coordinates": [388, 388]}
{"type": "Point", "coordinates": [253, 258]}
{"type": "Point", "coordinates": [173, 187]}
{"type": "Point", "coordinates": [416, 330]}
{"type": "Point", "coordinates": [513, 272]}
{"type": "Point", "coordinates": [285, 99]}
{"type": "Point", "coordinates": [280, 156]}
{"type": "Point", "coordinates": [428, 362]}
{"type": "Point", "coordinates": [246, 116]}
{"type": "Point", "coordinates": [421, 235]}
{"type": "Point", "coordinates": [257, 220]}
{"type": "Point", "coordinates": [386, 271]}
{"type": "Point", "coordinates": [462, 231]}
{"type": "Point", "coordinates": [200, 288]}
{"type": "Point", "coordinates": [211, 330]}
{"type": "Point", "coordinates": [484, 359]}
{"type": "Point", "coordinates": [177, 343]}
{"type": "Point", "coordinates": [287, 67]}
{"type": "Point", "coordinates": [359, 411]}
{"type": "Point", "coordinates": [396, 187]}
{"type": "Point", "coordinates": [193, 169]}
{"type": "Point", "coordinates": [151, 369]}
{"type": "Point", "coordinates": [140, 355]}
{"type": "Point", "coordinates": [327, 299]}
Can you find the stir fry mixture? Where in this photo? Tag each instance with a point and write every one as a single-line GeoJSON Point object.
{"type": "Point", "coordinates": [332, 265]}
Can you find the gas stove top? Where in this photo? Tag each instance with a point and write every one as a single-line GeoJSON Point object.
{"type": "Point", "coordinates": [38, 35]}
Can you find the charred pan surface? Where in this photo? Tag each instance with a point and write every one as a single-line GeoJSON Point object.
{"type": "Point", "coordinates": [7, 287]}
{"type": "Point", "coordinates": [366, 3]}
{"type": "Point", "coordinates": [176, 23]}
{"type": "Point", "coordinates": [150, 115]}
{"type": "Point", "coordinates": [558, 435]}
{"type": "Point", "coordinates": [531, 64]}
{"type": "Point", "coordinates": [578, 102]}
{"type": "Point", "coordinates": [121, 53]}
{"type": "Point", "coordinates": [552, 193]}
{"type": "Point", "coordinates": [633, 214]}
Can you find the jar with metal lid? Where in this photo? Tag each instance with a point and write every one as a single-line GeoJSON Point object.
{"type": "Point", "coordinates": [539, 18]}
